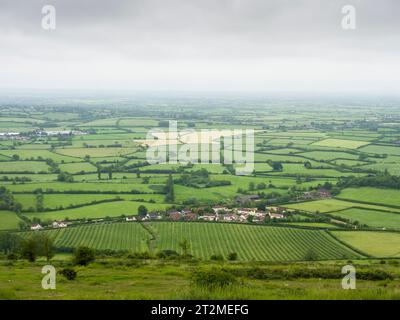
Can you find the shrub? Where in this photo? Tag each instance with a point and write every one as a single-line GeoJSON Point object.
{"type": "Point", "coordinates": [217, 257]}
{"type": "Point", "coordinates": [83, 256]}
{"type": "Point", "coordinates": [232, 256]}
{"type": "Point", "coordinates": [69, 273]}
{"type": "Point", "coordinates": [311, 255]}
{"type": "Point", "coordinates": [213, 279]}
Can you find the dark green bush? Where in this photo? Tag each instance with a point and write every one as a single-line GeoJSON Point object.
{"type": "Point", "coordinates": [83, 256]}
{"type": "Point", "coordinates": [68, 273]}
{"type": "Point", "coordinates": [214, 278]}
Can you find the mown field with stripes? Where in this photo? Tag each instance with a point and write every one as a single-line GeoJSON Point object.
{"type": "Point", "coordinates": [250, 242]}
{"type": "Point", "coordinates": [116, 236]}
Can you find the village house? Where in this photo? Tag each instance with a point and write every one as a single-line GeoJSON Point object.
{"type": "Point", "coordinates": [229, 217]}
{"type": "Point", "coordinates": [218, 209]}
{"type": "Point", "coordinates": [59, 224]}
{"type": "Point", "coordinates": [128, 219]}
{"type": "Point", "coordinates": [243, 199]}
{"type": "Point", "coordinates": [246, 211]}
{"type": "Point", "coordinates": [259, 219]}
{"type": "Point", "coordinates": [319, 194]}
{"type": "Point", "coordinates": [208, 217]}
{"type": "Point", "coordinates": [279, 210]}
{"type": "Point", "coordinates": [190, 216]}
{"type": "Point", "coordinates": [276, 215]}
{"type": "Point", "coordinates": [175, 215]}
{"type": "Point", "coordinates": [36, 227]}
{"type": "Point", "coordinates": [154, 216]}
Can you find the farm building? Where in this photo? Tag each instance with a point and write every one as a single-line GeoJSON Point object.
{"type": "Point", "coordinates": [175, 215]}
{"type": "Point", "coordinates": [190, 216]}
{"type": "Point", "coordinates": [36, 227]}
{"type": "Point", "coordinates": [59, 224]}
{"type": "Point", "coordinates": [217, 209]}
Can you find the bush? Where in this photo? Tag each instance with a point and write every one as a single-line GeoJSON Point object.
{"type": "Point", "coordinates": [311, 255]}
{"type": "Point", "coordinates": [69, 273]}
{"type": "Point", "coordinates": [83, 256]}
{"type": "Point", "coordinates": [12, 256]}
{"type": "Point", "coordinates": [213, 279]}
{"type": "Point", "coordinates": [217, 257]}
{"type": "Point", "coordinates": [232, 256]}
{"type": "Point", "coordinates": [167, 254]}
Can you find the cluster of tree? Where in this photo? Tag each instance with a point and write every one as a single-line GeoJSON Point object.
{"type": "Point", "coordinates": [39, 245]}
{"type": "Point", "coordinates": [380, 180]}
{"type": "Point", "coordinates": [275, 165]}
{"type": "Point", "coordinates": [65, 177]}
{"type": "Point", "coordinates": [200, 179]}
{"type": "Point", "coordinates": [15, 179]}
{"type": "Point", "coordinates": [169, 190]}
{"type": "Point", "coordinates": [7, 201]}
{"type": "Point", "coordinates": [29, 248]}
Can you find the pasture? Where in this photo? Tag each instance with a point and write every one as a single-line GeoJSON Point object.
{"type": "Point", "coordinates": [340, 143]}
{"type": "Point", "coordinates": [375, 243]}
{"type": "Point", "coordinates": [102, 210]}
{"type": "Point", "coordinates": [386, 197]}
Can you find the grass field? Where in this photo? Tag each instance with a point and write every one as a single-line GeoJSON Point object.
{"type": "Point", "coordinates": [23, 166]}
{"type": "Point", "coordinates": [27, 154]}
{"type": "Point", "coordinates": [101, 186]}
{"type": "Point", "coordinates": [57, 201]}
{"type": "Point", "coordinates": [371, 218]}
{"type": "Point", "coordinates": [391, 150]}
{"type": "Point", "coordinates": [266, 243]}
{"type": "Point", "coordinates": [94, 152]}
{"type": "Point", "coordinates": [328, 155]}
{"type": "Point", "coordinates": [110, 209]}
{"type": "Point", "coordinates": [125, 279]}
{"type": "Point", "coordinates": [123, 236]}
{"type": "Point", "coordinates": [8, 220]}
{"type": "Point", "coordinates": [378, 244]}
{"type": "Point", "coordinates": [388, 197]}
{"type": "Point", "coordinates": [329, 205]}
{"type": "Point", "coordinates": [78, 167]}
{"type": "Point", "coordinates": [249, 242]}
{"type": "Point", "coordinates": [340, 143]}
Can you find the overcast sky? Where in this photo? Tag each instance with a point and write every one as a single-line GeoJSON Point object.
{"type": "Point", "coordinates": [201, 45]}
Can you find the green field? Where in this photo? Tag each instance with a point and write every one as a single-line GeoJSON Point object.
{"type": "Point", "coordinates": [378, 244]}
{"type": "Point", "coordinates": [8, 220]}
{"type": "Point", "coordinates": [387, 197]}
{"type": "Point", "coordinates": [391, 150]}
{"type": "Point", "coordinates": [94, 152]}
{"type": "Point", "coordinates": [249, 242]}
{"type": "Point", "coordinates": [340, 143]}
{"type": "Point", "coordinates": [78, 167]}
{"type": "Point", "coordinates": [121, 236]}
{"type": "Point", "coordinates": [108, 209]}
{"type": "Point", "coordinates": [330, 205]}
{"type": "Point", "coordinates": [62, 201]}
{"type": "Point", "coordinates": [27, 154]}
{"type": "Point", "coordinates": [371, 218]}
{"type": "Point", "coordinates": [24, 166]}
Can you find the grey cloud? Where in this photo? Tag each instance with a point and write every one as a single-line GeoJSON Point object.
{"type": "Point", "coordinates": [199, 32]}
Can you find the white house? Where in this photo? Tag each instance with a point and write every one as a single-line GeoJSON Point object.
{"type": "Point", "coordinates": [217, 209]}
{"type": "Point", "coordinates": [276, 215]}
{"type": "Point", "coordinates": [130, 219]}
{"type": "Point", "coordinates": [246, 211]}
{"type": "Point", "coordinates": [208, 217]}
{"type": "Point", "coordinates": [59, 224]}
{"type": "Point", "coordinates": [36, 227]}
